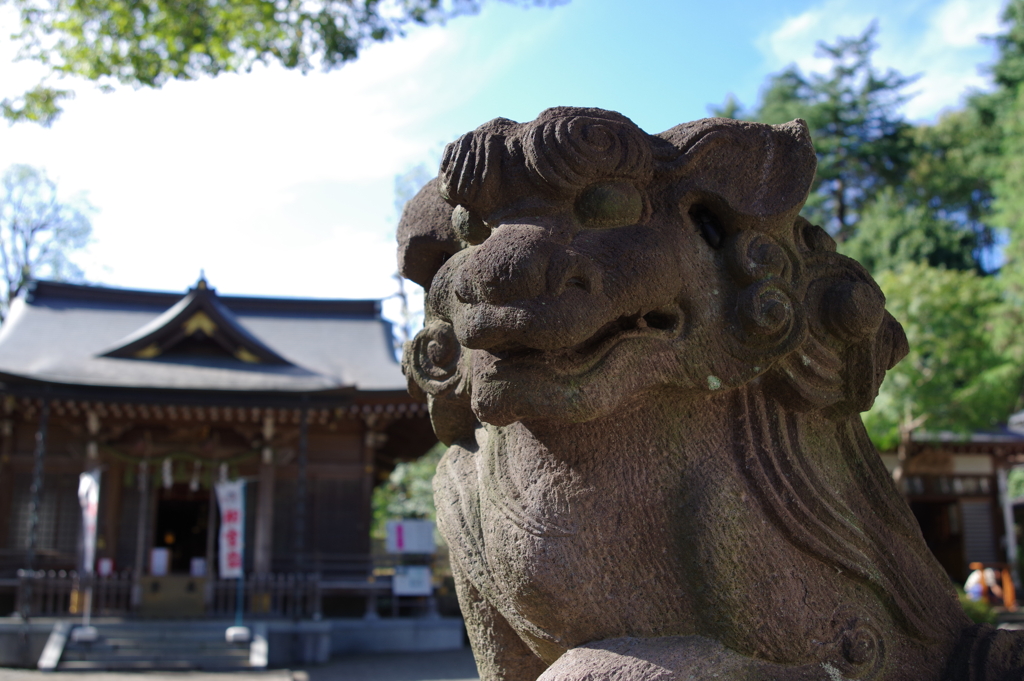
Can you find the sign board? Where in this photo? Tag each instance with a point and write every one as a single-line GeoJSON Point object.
{"type": "Point", "coordinates": [412, 580]}
{"type": "Point", "coordinates": [159, 560]}
{"type": "Point", "coordinates": [89, 499]}
{"type": "Point", "coordinates": [410, 536]}
{"type": "Point", "coordinates": [231, 500]}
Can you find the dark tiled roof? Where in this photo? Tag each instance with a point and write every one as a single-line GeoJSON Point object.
{"type": "Point", "coordinates": [59, 333]}
{"type": "Point", "coordinates": [998, 434]}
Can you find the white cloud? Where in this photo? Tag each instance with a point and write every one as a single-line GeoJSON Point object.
{"type": "Point", "coordinates": [273, 182]}
{"type": "Point", "coordinates": [795, 40]}
{"type": "Point", "coordinates": [207, 173]}
{"type": "Point", "coordinates": [960, 23]}
{"type": "Point", "coordinates": [940, 41]}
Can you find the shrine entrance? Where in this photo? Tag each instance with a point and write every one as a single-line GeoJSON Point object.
{"type": "Point", "coordinates": [182, 527]}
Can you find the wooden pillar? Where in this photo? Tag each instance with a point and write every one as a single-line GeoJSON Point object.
{"type": "Point", "coordinates": [110, 490]}
{"type": "Point", "coordinates": [113, 490]}
{"type": "Point", "coordinates": [92, 448]}
{"type": "Point", "coordinates": [211, 546]}
{"type": "Point", "coordinates": [141, 533]}
{"type": "Point", "coordinates": [36, 490]}
{"type": "Point", "coordinates": [263, 549]}
{"type": "Point", "coordinates": [1009, 529]}
{"type": "Point", "coordinates": [369, 473]}
{"type": "Point", "coordinates": [300, 494]}
{"type": "Point", "coordinates": [6, 478]}
{"type": "Point", "coordinates": [374, 437]}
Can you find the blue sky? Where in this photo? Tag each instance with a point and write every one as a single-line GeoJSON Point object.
{"type": "Point", "coordinates": [277, 183]}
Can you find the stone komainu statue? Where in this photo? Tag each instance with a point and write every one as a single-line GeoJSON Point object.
{"type": "Point", "coordinates": [650, 371]}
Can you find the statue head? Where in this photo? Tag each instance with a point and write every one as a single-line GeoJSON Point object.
{"type": "Point", "coordinates": [575, 264]}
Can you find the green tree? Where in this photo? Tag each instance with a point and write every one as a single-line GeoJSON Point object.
{"type": "Point", "coordinates": [916, 192]}
{"type": "Point", "coordinates": [1008, 71]}
{"type": "Point", "coordinates": [408, 491]}
{"type": "Point", "coordinates": [1015, 483]}
{"type": "Point", "coordinates": [853, 112]}
{"type": "Point", "coordinates": [892, 231]}
{"type": "Point", "coordinates": [148, 42]}
{"type": "Point", "coordinates": [38, 232]}
{"type": "Point", "coordinates": [1001, 120]}
{"type": "Point", "coordinates": [952, 173]}
{"type": "Point", "coordinates": [956, 377]}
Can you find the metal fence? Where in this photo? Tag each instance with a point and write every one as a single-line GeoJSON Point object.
{"type": "Point", "coordinates": [59, 593]}
{"type": "Point", "coordinates": [291, 595]}
{"type": "Point", "coordinates": [345, 566]}
{"type": "Point", "coordinates": [285, 593]}
{"type": "Point", "coordinates": [46, 593]}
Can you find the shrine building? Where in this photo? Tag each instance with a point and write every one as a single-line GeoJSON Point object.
{"type": "Point", "coordinates": [168, 393]}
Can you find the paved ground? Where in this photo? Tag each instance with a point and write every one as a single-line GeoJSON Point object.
{"type": "Point", "coordinates": [447, 666]}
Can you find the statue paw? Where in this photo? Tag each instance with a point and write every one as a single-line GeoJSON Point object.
{"type": "Point", "coordinates": [673, 658]}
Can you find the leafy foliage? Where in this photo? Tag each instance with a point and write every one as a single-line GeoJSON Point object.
{"type": "Point", "coordinates": [408, 491]}
{"type": "Point", "coordinates": [978, 612]}
{"type": "Point", "coordinates": [1008, 71]}
{"type": "Point", "coordinates": [955, 377]}
{"type": "Point", "coordinates": [917, 193]}
{"type": "Point", "coordinates": [862, 140]}
{"type": "Point", "coordinates": [41, 104]}
{"type": "Point", "coordinates": [38, 232]}
{"type": "Point", "coordinates": [952, 177]}
{"type": "Point", "coordinates": [1015, 483]}
{"type": "Point", "coordinates": [148, 42]}
{"type": "Point", "coordinates": [925, 209]}
{"type": "Point", "coordinates": [892, 231]}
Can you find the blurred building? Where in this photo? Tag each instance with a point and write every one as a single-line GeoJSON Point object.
{"type": "Point", "coordinates": [166, 394]}
{"type": "Point", "coordinates": [957, 489]}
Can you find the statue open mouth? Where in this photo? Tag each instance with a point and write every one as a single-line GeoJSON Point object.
{"type": "Point", "coordinates": [664, 323]}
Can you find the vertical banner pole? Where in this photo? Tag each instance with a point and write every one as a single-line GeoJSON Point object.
{"type": "Point", "coordinates": [241, 574]}
{"type": "Point", "coordinates": [89, 498]}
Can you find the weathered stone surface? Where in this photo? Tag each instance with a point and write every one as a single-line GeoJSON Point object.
{"type": "Point", "coordinates": [650, 371]}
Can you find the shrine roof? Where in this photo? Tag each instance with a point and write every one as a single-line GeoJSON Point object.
{"type": "Point", "coordinates": [120, 338]}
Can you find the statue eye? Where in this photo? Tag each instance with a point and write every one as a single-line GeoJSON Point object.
{"type": "Point", "coordinates": [469, 227]}
{"type": "Point", "coordinates": [609, 204]}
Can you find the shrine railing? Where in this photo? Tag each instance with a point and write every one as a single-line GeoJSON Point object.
{"type": "Point", "coordinates": [292, 595]}
{"type": "Point", "coordinates": [60, 593]}
{"type": "Point", "coordinates": [49, 593]}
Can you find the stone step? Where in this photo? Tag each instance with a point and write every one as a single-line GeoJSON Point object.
{"type": "Point", "coordinates": [141, 652]}
{"type": "Point", "coordinates": [176, 647]}
{"type": "Point", "coordinates": [147, 632]}
{"type": "Point", "coordinates": [145, 665]}
{"type": "Point", "coordinates": [123, 642]}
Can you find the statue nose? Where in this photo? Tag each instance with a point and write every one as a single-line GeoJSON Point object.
{"type": "Point", "coordinates": [511, 264]}
{"type": "Point", "coordinates": [521, 263]}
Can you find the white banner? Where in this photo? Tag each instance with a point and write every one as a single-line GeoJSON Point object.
{"type": "Point", "coordinates": [410, 536]}
{"type": "Point", "coordinates": [231, 499]}
{"type": "Point", "coordinates": [89, 498]}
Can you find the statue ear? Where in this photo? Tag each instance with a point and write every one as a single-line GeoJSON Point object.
{"type": "Point", "coordinates": [426, 238]}
{"type": "Point", "coordinates": [852, 342]}
{"type": "Point", "coordinates": [436, 368]}
{"type": "Point", "coordinates": [762, 171]}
